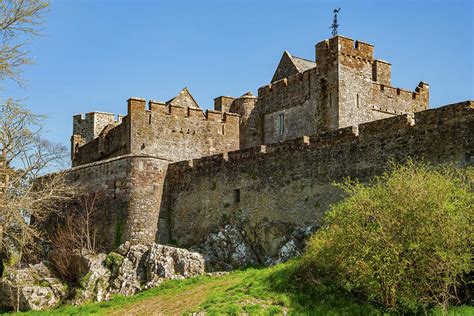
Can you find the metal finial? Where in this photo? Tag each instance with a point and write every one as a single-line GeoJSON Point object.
{"type": "Point", "coordinates": [334, 25]}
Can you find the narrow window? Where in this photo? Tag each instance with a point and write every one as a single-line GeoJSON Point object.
{"type": "Point", "coordinates": [357, 100]}
{"type": "Point", "coordinates": [281, 124]}
{"type": "Point", "coordinates": [236, 195]}
{"type": "Point", "coordinates": [149, 118]}
{"type": "Point", "coordinates": [223, 129]}
{"type": "Point", "coordinates": [116, 188]}
{"type": "Point", "coordinates": [330, 99]}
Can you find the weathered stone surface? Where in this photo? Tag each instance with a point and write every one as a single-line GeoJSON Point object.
{"type": "Point", "coordinates": [137, 267]}
{"type": "Point", "coordinates": [93, 278]}
{"type": "Point", "coordinates": [290, 184]}
{"type": "Point", "coordinates": [31, 288]}
{"type": "Point", "coordinates": [99, 276]}
{"type": "Point", "coordinates": [235, 246]}
{"type": "Point", "coordinates": [227, 249]}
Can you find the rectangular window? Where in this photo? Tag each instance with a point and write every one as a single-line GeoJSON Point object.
{"type": "Point", "coordinates": [357, 100]}
{"type": "Point", "coordinates": [281, 124]}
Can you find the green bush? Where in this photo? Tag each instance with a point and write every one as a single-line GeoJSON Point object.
{"type": "Point", "coordinates": [404, 241]}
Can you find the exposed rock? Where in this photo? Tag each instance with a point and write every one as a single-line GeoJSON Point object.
{"type": "Point", "coordinates": [239, 245]}
{"type": "Point", "coordinates": [32, 288]}
{"type": "Point", "coordinates": [145, 266]}
{"type": "Point", "coordinates": [129, 270]}
{"type": "Point", "coordinates": [227, 249]}
{"type": "Point", "coordinates": [93, 278]}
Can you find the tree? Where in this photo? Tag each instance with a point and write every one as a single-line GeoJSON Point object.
{"type": "Point", "coordinates": [26, 194]}
{"type": "Point", "coordinates": [19, 21]}
{"type": "Point", "coordinates": [78, 234]}
{"type": "Point", "coordinates": [24, 155]}
{"type": "Point", "coordinates": [405, 240]}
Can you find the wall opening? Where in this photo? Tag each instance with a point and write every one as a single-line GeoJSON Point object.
{"type": "Point", "coordinates": [281, 123]}
{"type": "Point", "coordinates": [236, 195]}
{"type": "Point", "coordinates": [357, 100]}
{"type": "Point", "coordinates": [223, 129]}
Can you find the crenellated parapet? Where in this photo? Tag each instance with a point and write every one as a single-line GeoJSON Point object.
{"type": "Point", "coordinates": [405, 124]}
{"type": "Point", "coordinates": [138, 106]}
{"type": "Point", "coordinates": [288, 92]}
{"type": "Point", "coordinates": [160, 129]}
{"type": "Point", "coordinates": [291, 182]}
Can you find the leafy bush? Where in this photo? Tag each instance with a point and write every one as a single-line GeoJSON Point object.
{"type": "Point", "coordinates": [405, 241]}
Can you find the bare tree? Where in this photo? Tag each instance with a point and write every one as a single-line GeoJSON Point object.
{"type": "Point", "coordinates": [25, 193]}
{"type": "Point", "coordinates": [77, 234]}
{"type": "Point", "coordinates": [19, 21]}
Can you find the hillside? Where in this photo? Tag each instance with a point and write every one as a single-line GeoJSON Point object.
{"type": "Point", "coordinates": [255, 291]}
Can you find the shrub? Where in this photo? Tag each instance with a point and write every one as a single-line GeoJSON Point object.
{"type": "Point", "coordinates": [405, 240]}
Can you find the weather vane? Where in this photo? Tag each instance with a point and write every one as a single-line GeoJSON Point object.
{"type": "Point", "coordinates": [334, 25]}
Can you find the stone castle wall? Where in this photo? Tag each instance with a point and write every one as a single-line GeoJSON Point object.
{"type": "Point", "coordinates": [174, 173]}
{"type": "Point", "coordinates": [177, 133]}
{"type": "Point", "coordinates": [168, 132]}
{"type": "Point", "coordinates": [280, 186]}
{"type": "Point", "coordinates": [128, 192]}
{"type": "Point", "coordinates": [346, 88]}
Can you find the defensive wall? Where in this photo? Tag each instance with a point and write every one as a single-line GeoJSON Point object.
{"type": "Point", "coordinates": [277, 187]}
{"type": "Point", "coordinates": [167, 131]}
{"type": "Point", "coordinates": [169, 172]}
{"type": "Point", "coordinates": [128, 192]}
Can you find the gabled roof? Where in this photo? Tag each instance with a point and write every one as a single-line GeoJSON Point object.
{"type": "Point", "coordinates": [303, 64]}
{"type": "Point", "coordinates": [184, 99]}
{"type": "Point", "coordinates": [291, 65]}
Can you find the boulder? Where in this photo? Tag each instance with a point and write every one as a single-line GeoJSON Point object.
{"type": "Point", "coordinates": [227, 249]}
{"type": "Point", "coordinates": [92, 277]}
{"type": "Point", "coordinates": [144, 266]}
{"type": "Point", "coordinates": [31, 288]}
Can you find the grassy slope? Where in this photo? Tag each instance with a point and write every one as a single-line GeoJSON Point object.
{"type": "Point", "coordinates": [255, 291]}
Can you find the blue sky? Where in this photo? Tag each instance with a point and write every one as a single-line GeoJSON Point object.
{"type": "Point", "coordinates": [95, 54]}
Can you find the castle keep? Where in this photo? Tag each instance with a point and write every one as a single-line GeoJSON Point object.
{"type": "Point", "coordinates": [171, 172]}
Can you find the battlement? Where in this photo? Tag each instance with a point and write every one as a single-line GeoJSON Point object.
{"type": "Point", "coordinates": [404, 94]}
{"type": "Point", "coordinates": [396, 125]}
{"type": "Point", "coordinates": [88, 127]}
{"type": "Point", "coordinates": [137, 106]}
{"type": "Point", "coordinates": [344, 46]}
{"type": "Point", "coordinates": [290, 91]}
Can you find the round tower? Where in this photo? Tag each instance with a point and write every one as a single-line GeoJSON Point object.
{"type": "Point", "coordinates": [250, 121]}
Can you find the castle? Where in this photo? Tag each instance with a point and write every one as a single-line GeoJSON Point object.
{"type": "Point", "coordinates": [171, 172]}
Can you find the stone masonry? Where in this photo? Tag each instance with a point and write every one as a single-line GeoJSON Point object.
{"type": "Point", "coordinates": [172, 173]}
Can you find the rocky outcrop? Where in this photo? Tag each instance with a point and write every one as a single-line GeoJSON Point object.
{"type": "Point", "coordinates": [130, 269]}
{"type": "Point", "coordinates": [133, 268]}
{"type": "Point", "coordinates": [227, 249]}
{"type": "Point", "coordinates": [31, 288]}
{"type": "Point", "coordinates": [239, 245]}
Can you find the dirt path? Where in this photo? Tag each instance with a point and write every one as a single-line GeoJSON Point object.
{"type": "Point", "coordinates": [167, 304]}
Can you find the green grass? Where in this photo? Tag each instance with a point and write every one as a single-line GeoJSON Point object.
{"type": "Point", "coordinates": [257, 291]}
